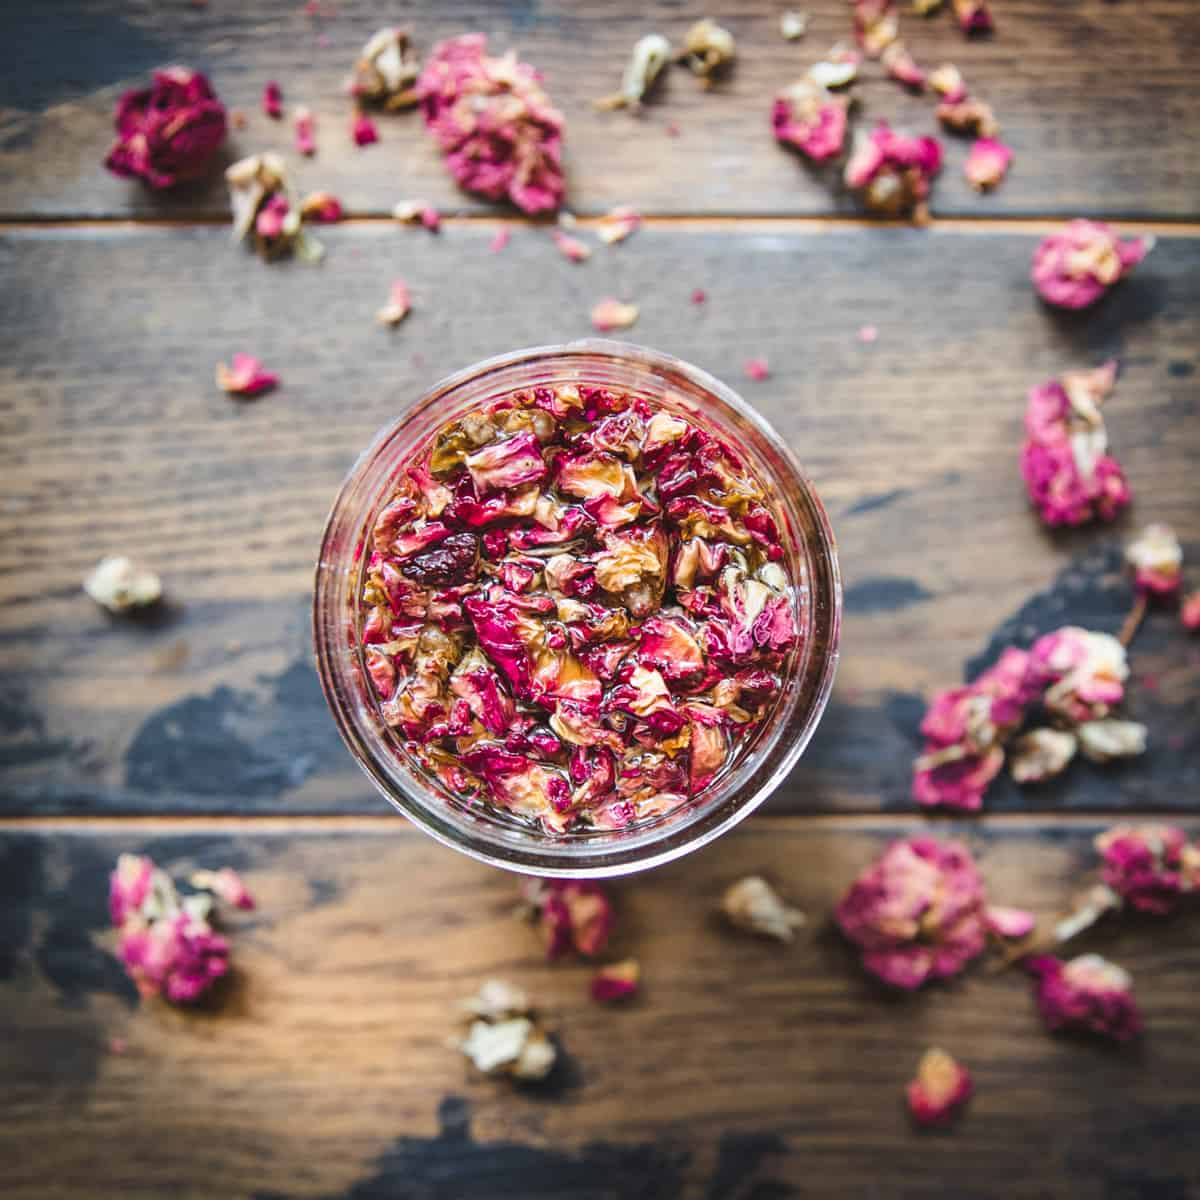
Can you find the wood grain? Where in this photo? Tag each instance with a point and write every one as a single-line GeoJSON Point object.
{"type": "Point", "coordinates": [1100, 101]}
{"type": "Point", "coordinates": [743, 1067]}
{"type": "Point", "coordinates": [114, 439]}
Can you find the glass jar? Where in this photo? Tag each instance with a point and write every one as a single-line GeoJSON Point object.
{"type": "Point", "coordinates": [493, 836]}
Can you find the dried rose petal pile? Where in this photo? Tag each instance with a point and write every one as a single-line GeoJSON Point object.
{"type": "Point", "coordinates": [575, 608]}
{"type": "Point", "coordinates": [166, 940]}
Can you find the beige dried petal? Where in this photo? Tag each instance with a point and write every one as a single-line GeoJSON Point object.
{"type": "Point", "coordinates": [494, 1047]}
{"type": "Point", "coordinates": [537, 1057]}
{"type": "Point", "coordinates": [608, 315]}
{"type": "Point", "coordinates": [924, 8]}
{"type": "Point", "coordinates": [250, 180]}
{"type": "Point", "coordinates": [1102, 741]}
{"type": "Point", "coordinates": [1041, 754]}
{"type": "Point", "coordinates": [1156, 549]}
{"type": "Point", "coordinates": [793, 25]}
{"type": "Point", "coordinates": [398, 307]}
{"type": "Point", "coordinates": [706, 48]}
{"type": "Point", "coordinates": [119, 584]}
{"type": "Point", "coordinates": [828, 74]}
{"type": "Point", "coordinates": [496, 999]}
{"type": "Point", "coordinates": [752, 904]}
{"type": "Point", "coordinates": [617, 225]}
{"type": "Point", "coordinates": [947, 80]}
{"type": "Point", "coordinates": [1088, 909]}
{"type": "Point", "coordinates": [650, 54]}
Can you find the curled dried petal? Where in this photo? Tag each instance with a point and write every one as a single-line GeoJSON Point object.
{"type": "Point", "coordinates": [272, 100]}
{"type": "Point", "coordinates": [398, 307]}
{"type": "Point", "coordinates": [1012, 923]}
{"type": "Point", "coordinates": [612, 314]}
{"type": "Point", "coordinates": [246, 377]}
{"type": "Point", "coordinates": [323, 208]}
{"type": "Point", "coordinates": [987, 163]}
{"type": "Point", "coordinates": [362, 129]}
{"type": "Point", "coordinates": [618, 224]}
{"type": "Point", "coordinates": [974, 16]}
{"type": "Point", "coordinates": [306, 135]}
{"type": "Point", "coordinates": [119, 584]}
{"type": "Point", "coordinates": [939, 1091]}
{"type": "Point", "coordinates": [947, 81]}
{"type": "Point", "coordinates": [876, 25]}
{"type": "Point", "coordinates": [1102, 741]}
{"type": "Point", "coordinates": [901, 66]}
{"type": "Point", "coordinates": [1189, 611]}
{"type": "Point", "coordinates": [650, 54]}
{"type": "Point", "coordinates": [968, 115]}
{"type": "Point", "coordinates": [1041, 754]}
{"type": "Point", "coordinates": [793, 25]}
{"type": "Point", "coordinates": [571, 247]}
{"type": "Point", "coordinates": [752, 904]}
{"type": "Point", "coordinates": [386, 71]}
{"type": "Point", "coordinates": [617, 981]}
{"type": "Point", "coordinates": [707, 48]}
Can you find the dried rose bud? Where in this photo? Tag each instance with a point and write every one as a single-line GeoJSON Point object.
{"type": "Point", "coordinates": [901, 65]}
{"type": "Point", "coordinates": [306, 135]}
{"type": "Point", "coordinates": [272, 100]}
{"type": "Point", "coordinates": [1156, 558]}
{"type": "Point", "coordinates": [570, 247]}
{"type": "Point", "coordinates": [876, 25]}
{"type": "Point", "coordinates": [226, 884]}
{"type": "Point", "coordinates": [617, 225]}
{"type": "Point", "coordinates": [386, 71]}
{"type": "Point", "coordinates": [1076, 266]}
{"type": "Point", "coordinates": [1013, 923]}
{"type": "Point", "coordinates": [1083, 673]}
{"type": "Point", "coordinates": [1189, 611]}
{"type": "Point", "coordinates": [756, 369]}
{"type": "Point", "coordinates": [650, 54]}
{"type": "Point", "coordinates": [1102, 741]}
{"type": "Point", "coordinates": [245, 377]}
{"type": "Point", "coordinates": [1041, 754]}
{"type": "Point", "coordinates": [808, 116]}
{"type": "Point", "coordinates": [362, 129]}
{"type": "Point", "coordinates": [499, 240]}
{"type": "Point", "coordinates": [941, 1088]}
{"type": "Point", "coordinates": [322, 208]}
{"type": "Point", "coordinates": [611, 314]}
{"type": "Point", "coordinates": [1089, 994]}
{"type": "Point", "coordinates": [893, 173]}
{"type": "Point", "coordinates": [947, 81]}
{"type": "Point", "coordinates": [968, 115]}
{"type": "Point", "coordinates": [793, 25]}
{"type": "Point", "coordinates": [398, 307]}
{"type": "Point", "coordinates": [752, 904]}
{"type": "Point", "coordinates": [119, 584]}
{"type": "Point", "coordinates": [496, 126]}
{"type": "Point", "coordinates": [1149, 866]}
{"type": "Point", "coordinates": [168, 132]}
{"type": "Point", "coordinates": [987, 164]}
{"type": "Point", "coordinates": [707, 48]}
{"type": "Point", "coordinates": [917, 913]}
{"type": "Point", "coordinates": [974, 16]}
{"type": "Point", "coordinates": [617, 981]}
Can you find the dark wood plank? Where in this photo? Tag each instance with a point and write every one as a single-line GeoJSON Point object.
{"type": "Point", "coordinates": [115, 440]}
{"type": "Point", "coordinates": [743, 1065]}
{"type": "Point", "coordinates": [1100, 101]}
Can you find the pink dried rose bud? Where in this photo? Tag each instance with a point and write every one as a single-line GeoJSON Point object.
{"type": "Point", "coordinates": [617, 981]}
{"type": "Point", "coordinates": [974, 16]}
{"type": "Point", "coordinates": [572, 915]}
{"type": "Point", "coordinates": [1149, 866]}
{"type": "Point", "coordinates": [708, 48]}
{"type": "Point", "coordinates": [272, 100]}
{"type": "Point", "coordinates": [1069, 474]}
{"type": "Point", "coordinates": [902, 67]}
{"type": "Point", "coordinates": [1083, 673]}
{"type": "Point", "coordinates": [119, 584]}
{"type": "Point", "coordinates": [947, 81]}
{"type": "Point", "coordinates": [754, 905]}
{"type": "Point", "coordinates": [362, 129]}
{"type": "Point", "coordinates": [917, 913]}
{"type": "Point", "coordinates": [167, 133]}
{"type": "Point", "coordinates": [893, 172]}
{"type": "Point", "coordinates": [306, 132]}
{"type": "Point", "coordinates": [876, 25]}
{"type": "Point", "coordinates": [496, 126]}
{"type": "Point", "coordinates": [1076, 266]}
{"type": "Point", "coordinates": [1012, 923]}
{"type": "Point", "coordinates": [1189, 611]}
{"type": "Point", "coordinates": [246, 377]}
{"type": "Point", "coordinates": [398, 307]}
{"type": "Point", "coordinates": [1089, 994]}
{"type": "Point", "coordinates": [322, 208]}
{"type": "Point", "coordinates": [941, 1088]}
{"type": "Point", "coordinates": [757, 369]}
{"type": "Point", "coordinates": [1156, 559]}
{"type": "Point", "coordinates": [611, 314]}
{"type": "Point", "coordinates": [571, 247]}
{"type": "Point", "coordinates": [968, 115]}
{"type": "Point", "coordinates": [987, 164]}
{"type": "Point", "coordinates": [616, 225]}
{"type": "Point", "coordinates": [808, 116]}
{"type": "Point", "coordinates": [386, 71]}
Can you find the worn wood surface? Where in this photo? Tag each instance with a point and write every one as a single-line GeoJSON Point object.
{"type": "Point", "coordinates": [744, 1069]}
{"type": "Point", "coordinates": [1099, 99]}
{"type": "Point", "coordinates": [116, 440]}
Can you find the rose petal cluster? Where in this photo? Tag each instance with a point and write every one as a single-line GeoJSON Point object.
{"type": "Point", "coordinates": [168, 132]}
{"type": "Point", "coordinates": [1076, 266]}
{"type": "Point", "coordinates": [1151, 867]}
{"type": "Point", "coordinates": [918, 913]}
{"type": "Point", "coordinates": [496, 126]}
{"type": "Point", "coordinates": [1069, 474]}
{"type": "Point", "coordinates": [1088, 994]}
{"type": "Point", "coordinates": [893, 172]}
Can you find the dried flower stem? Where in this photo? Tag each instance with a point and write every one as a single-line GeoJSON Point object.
{"type": "Point", "coordinates": [1133, 621]}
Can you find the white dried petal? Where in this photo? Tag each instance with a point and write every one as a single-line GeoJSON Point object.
{"type": "Point", "coordinates": [1089, 908]}
{"type": "Point", "coordinates": [1155, 549]}
{"type": "Point", "coordinates": [119, 584]}
{"type": "Point", "coordinates": [1041, 754]}
{"type": "Point", "coordinates": [496, 999]}
{"type": "Point", "coordinates": [752, 904]}
{"type": "Point", "coordinates": [793, 24]}
{"type": "Point", "coordinates": [537, 1057]}
{"type": "Point", "coordinates": [1102, 741]}
{"type": "Point", "coordinates": [250, 181]}
{"type": "Point", "coordinates": [829, 74]}
{"type": "Point", "coordinates": [495, 1046]}
{"type": "Point", "coordinates": [650, 54]}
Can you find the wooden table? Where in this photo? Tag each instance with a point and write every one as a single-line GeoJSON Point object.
{"type": "Point", "coordinates": [745, 1070]}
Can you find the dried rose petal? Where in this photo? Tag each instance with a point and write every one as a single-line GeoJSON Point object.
{"type": "Point", "coordinates": [1011, 923]}
{"type": "Point", "coordinates": [793, 25]}
{"type": "Point", "coordinates": [808, 116]}
{"type": "Point", "coordinates": [868, 334]}
{"type": "Point", "coordinates": [362, 129]}
{"type": "Point", "coordinates": [386, 71]}
{"type": "Point", "coordinates": [756, 369]}
{"type": "Point", "coordinates": [497, 999]}
{"type": "Point", "coordinates": [699, 296]}
{"type": "Point", "coordinates": [119, 584]}
{"type": "Point", "coordinates": [917, 913]}
{"type": "Point", "coordinates": [499, 240]}
{"type": "Point", "coordinates": [838, 68]}
{"type": "Point", "coordinates": [876, 25]}
{"type": "Point", "coordinates": [925, 8]}
{"type": "Point", "coordinates": [261, 201]}
{"type": "Point", "coordinates": [1156, 559]}
{"type": "Point", "coordinates": [1149, 866]}
{"type": "Point", "coordinates": [987, 164]}
{"type": "Point", "coordinates": [754, 905]}
{"type": "Point", "coordinates": [941, 1088]}
{"type": "Point", "coordinates": [398, 307]}
{"type": "Point", "coordinates": [650, 54]}
{"type": "Point", "coordinates": [1041, 754]}
{"type": "Point", "coordinates": [246, 377]}
{"type": "Point", "coordinates": [617, 981]}
{"type": "Point", "coordinates": [1102, 741]}
{"type": "Point", "coordinates": [495, 124]}
{"type": "Point", "coordinates": [707, 48]}
{"type": "Point", "coordinates": [618, 224]}
{"type": "Point", "coordinates": [272, 100]}
{"type": "Point", "coordinates": [226, 884]}
{"type": "Point", "coordinates": [968, 115]}
{"type": "Point", "coordinates": [611, 314]}
{"type": "Point", "coordinates": [323, 208]}
{"type": "Point", "coordinates": [572, 915]}
{"type": "Point", "coordinates": [947, 81]}
{"type": "Point", "coordinates": [893, 172]}
{"type": "Point", "coordinates": [1089, 994]}
{"type": "Point", "coordinates": [515, 1047]}
{"type": "Point", "coordinates": [1189, 611]}
{"type": "Point", "coordinates": [901, 66]}
{"type": "Point", "coordinates": [1076, 266]}
{"type": "Point", "coordinates": [974, 16]}
{"type": "Point", "coordinates": [570, 247]}
{"type": "Point", "coordinates": [417, 212]}
{"type": "Point", "coordinates": [1083, 673]}
{"type": "Point", "coordinates": [306, 139]}
{"type": "Point", "coordinates": [168, 132]}
{"type": "Point", "coordinates": [129, 886]}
